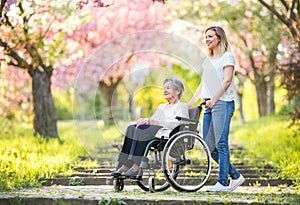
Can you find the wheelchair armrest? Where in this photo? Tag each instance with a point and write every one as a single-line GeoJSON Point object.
{"type": "Point", "coordinates": [186, 120]}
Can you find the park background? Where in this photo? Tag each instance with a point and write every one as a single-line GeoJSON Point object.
{"type": "Point", "coordinates": [44, 45]}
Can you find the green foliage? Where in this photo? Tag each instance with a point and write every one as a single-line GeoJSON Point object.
{"type": "Point", "coordinates": [76, 182]}
{"type": "Point", "coordinates": [191, 80]}
{"type": "Point", "coordinates": [286, 110]}
{"type": "Point", "coordinates": [282, 150]}
{"type": "Point", "coordinates": [249, 102]}
{"type": "Point", "coordinates": [63, 106]}
{"type": "Point", "coordinates": [111, 201]}
{"type": "Point", "coordinates": [60, 202]}
{"type": "Point", "coordinates": [15, 201]}
{"type": "Point", "coordinates": [25, 160]}
{"type": "Point", "coordinates": [6, 127]}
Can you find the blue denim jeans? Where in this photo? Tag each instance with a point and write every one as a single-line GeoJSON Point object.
{"type": "Point", "coordinates": [216, 126]}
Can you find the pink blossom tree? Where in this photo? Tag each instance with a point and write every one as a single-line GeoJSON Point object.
{"type": "Point", "coordinates": [32, 41]}
{"type": "Point", "coordinates": [117, 20]}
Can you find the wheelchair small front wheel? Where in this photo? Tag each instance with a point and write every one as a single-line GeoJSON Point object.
{"type": "Point", "coordinates": [151, 182]}
{"type": "Point", "coordinates": [186, 161]}
{"type": "Point", "coordinates": [118, 184]}
{"type": "Point", "coordinates": [154, 172]}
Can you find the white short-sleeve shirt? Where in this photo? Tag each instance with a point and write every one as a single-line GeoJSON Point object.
{"type": "Point", "coordinates": [213, 76]}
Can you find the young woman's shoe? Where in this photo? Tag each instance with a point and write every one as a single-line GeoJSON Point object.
{"type": "Point", "coordinates": [217, 188]}
{"type": "Point", "coordinates": [234, 183]}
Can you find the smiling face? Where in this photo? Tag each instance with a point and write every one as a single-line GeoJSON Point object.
{"type": "Point", "coordinates": [170, 94]}
{"type": "Point", "coordinates": [211, 39]}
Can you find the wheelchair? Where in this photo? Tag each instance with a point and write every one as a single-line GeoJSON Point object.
{"type": "Point", "coordinates": [182, 161]}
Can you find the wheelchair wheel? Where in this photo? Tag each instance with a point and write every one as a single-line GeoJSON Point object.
{"type": "Point", "coordinates": [153, 179]}
{"type": "Point", "coordinates": [186, 161]}
{"type": "Point", "coordinates": [118, 184]}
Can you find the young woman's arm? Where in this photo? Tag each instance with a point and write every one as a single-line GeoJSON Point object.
{"type": "Point", "coordinates": [196, 96]}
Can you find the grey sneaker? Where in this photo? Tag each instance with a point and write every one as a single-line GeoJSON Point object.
{"type": "Point", "coordinates": [130, 173]}
{"type": "Point", "coordinates": [118, 172]}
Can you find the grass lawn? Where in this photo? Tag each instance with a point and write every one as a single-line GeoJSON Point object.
{"type": "Point", "coordinates": [270, 139]}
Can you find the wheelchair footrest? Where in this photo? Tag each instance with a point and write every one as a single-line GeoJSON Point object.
{"type": "Point", "coordinates": [144, 163]}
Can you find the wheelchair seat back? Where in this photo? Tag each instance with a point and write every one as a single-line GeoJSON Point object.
{"type": "Point", "coordinates": [194, 113]}
{"type": "Point", "coordinates": [190, 123]}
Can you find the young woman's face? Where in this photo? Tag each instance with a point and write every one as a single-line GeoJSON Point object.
{"type": "Point", "coordinates": [211, 39]}
{"type": "Point", "coordinates": [169, 91]}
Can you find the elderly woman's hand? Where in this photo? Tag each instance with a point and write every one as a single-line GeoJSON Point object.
{"type": "Point", "coordinates": [143, 121]}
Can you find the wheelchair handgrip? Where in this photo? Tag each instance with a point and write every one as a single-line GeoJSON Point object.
{"type": "Point", "coordinates": [186, 120]}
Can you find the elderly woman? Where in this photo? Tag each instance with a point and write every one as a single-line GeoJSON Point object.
{"type": "Point", "coordinates": [161, 123]}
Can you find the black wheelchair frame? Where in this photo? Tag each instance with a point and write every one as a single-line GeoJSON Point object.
{"type": "Point", "coordinates": [182, 161]}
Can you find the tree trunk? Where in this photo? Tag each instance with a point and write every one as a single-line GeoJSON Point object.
{"type": "Point", "coordinates": [45, 122]}
{"type": "Point", "coordinates": [240, 99]}
{"type": "Point", "coordinates": [273, 68]}
{"type": "Point", "coordinates": [108, 99]}
{"type": "Point", "coordinates": [262, 98]}
{"type": "Point", "coordinates": [240, 79]}
{"type": "Point", "coordinates": [271, 88]}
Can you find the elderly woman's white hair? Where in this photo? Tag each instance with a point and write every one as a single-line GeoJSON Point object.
{"type": "Point", "coordinates": [177, 84]}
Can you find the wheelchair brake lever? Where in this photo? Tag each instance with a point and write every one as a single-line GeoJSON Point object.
{"type": "Point", "coordinates": [204, 102]}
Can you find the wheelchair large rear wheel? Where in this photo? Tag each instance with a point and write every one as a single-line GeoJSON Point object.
{"type": "Point", "coordinates": [153, 179]}
{"type": "Point", "coordinates": [186, 161]}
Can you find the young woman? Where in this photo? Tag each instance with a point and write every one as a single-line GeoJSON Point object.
{"type": "Point", "coordinates": [217, 88]}
{"type": "Point", "coordinates": [160, 124]}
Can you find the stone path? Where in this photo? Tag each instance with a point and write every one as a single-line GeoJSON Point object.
{"type": "Point", "coordinates": [92, 195]}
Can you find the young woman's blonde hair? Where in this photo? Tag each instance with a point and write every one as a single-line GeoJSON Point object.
{"type": "Point", "coordinates": [223, 45]}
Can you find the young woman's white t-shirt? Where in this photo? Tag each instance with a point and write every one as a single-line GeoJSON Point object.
{"type": "Point", "coordinates": [213, 76]}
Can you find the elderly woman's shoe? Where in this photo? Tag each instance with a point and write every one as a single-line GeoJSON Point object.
{"type": "Point", "coordinates": [130, 173]}
{"type": "Point", "coordinates": [118, 172]}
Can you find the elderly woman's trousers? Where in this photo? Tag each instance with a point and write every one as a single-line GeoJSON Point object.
{"type": "Point", "coordinates": [135, 143]}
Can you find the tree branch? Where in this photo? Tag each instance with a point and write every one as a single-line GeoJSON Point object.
{"type": "Point", "coordinates": [31, 49]}
{"type": "Point", "coordinates": [276, 13]}
{"type": "Point", "coordinates": [288, 22]}
{"type": "Point", "coordinates": [285, 4]}
{"type": "Point", "coordinates": [21, 63]}
{"type": "Point", "coordinates": [48, 28]}
{"type": "Point", "coordinates": [292, 14]}
{"type": "Point", "coordinates": [298, 8]}
{"type": "Point", "coordinates": [2, 6]}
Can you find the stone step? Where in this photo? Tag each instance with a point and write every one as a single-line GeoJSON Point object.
{"type": "Point", "coordinates": [213, 175]}
{"type": "Point", "coordinates": [109, 181]}
{"type": "Point", "coordinates": [241, 168]}
{"type": "Point", "coordinates": [265, 176]}
{"type": "Point", "coordinates": [245, 171]}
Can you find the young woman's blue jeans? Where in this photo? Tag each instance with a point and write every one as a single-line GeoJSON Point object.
{"type": "Point", "coordinates": [216, 126]}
